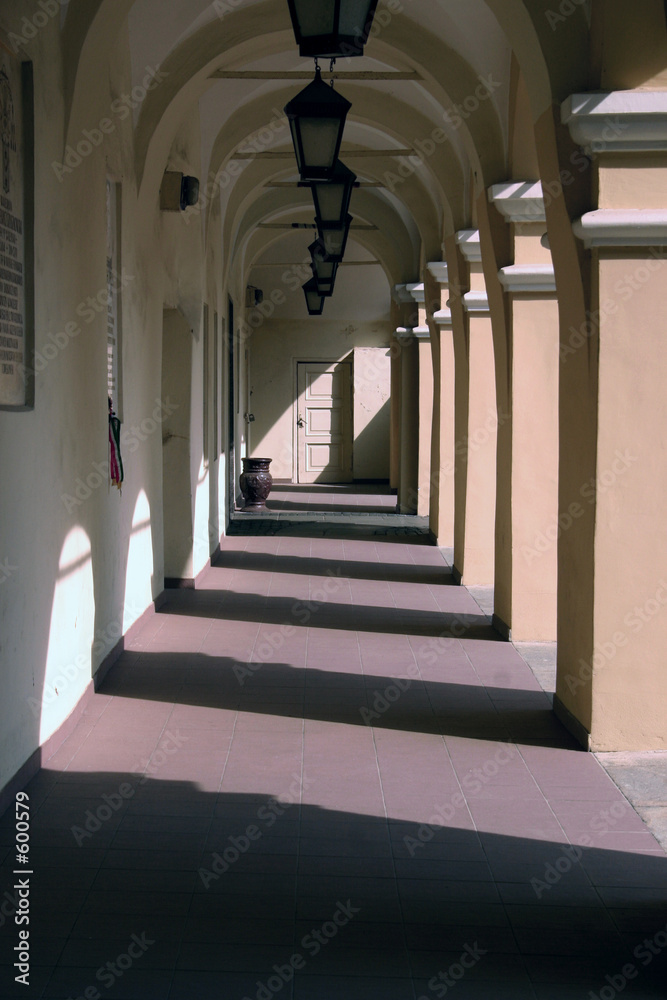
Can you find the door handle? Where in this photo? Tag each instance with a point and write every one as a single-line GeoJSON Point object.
{"type": "Point", "coordinates": [300, 421]}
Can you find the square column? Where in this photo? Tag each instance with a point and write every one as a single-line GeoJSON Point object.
{"type": "Point", "coordinates": [476, 422]}
{"type": "Point", "coordinates": [612, 601]}
{"type": "Point", "coordinates": [422, 335]}
{"type": "Point", "coordinates": [416, 404]}
{"type": "Point", "coordinates": [439, 319]}
{"type": "Point", "coordinates": [526, 569]}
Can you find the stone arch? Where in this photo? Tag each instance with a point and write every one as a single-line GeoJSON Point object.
{"type": "Point", "coordinates": [252, 244]}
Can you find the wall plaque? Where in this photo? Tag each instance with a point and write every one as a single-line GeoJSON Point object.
{"type": "Point", "coordinates": [16, 232]}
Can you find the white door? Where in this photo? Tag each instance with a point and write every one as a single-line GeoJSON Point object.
{"type": "Point", "coordinates": [324, 422]}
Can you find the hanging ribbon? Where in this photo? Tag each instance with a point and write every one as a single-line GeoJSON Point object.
{"type": "Point", "coordinates": [115, 460]}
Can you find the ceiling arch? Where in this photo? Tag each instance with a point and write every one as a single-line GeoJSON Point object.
{"type": "Point", "coordinates": [262, 240]}
{"type": "Point", "coordinates": [396, 125]}
{"type": "Point", "coordinates": [286, 206]}
{"type": "Point", "coordinates": [450, 44]}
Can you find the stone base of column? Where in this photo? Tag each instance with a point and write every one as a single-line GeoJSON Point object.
{"type": "Point", "coordinates": [501, 627]}
{"type": "Point", "coordinates": [572, 724]}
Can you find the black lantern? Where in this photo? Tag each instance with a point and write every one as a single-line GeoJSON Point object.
{"type": "Point", "coordinates": [331, 28]}
{"type": "Point", "coordinates": [326, 286]}
{"type": "Point", "coordinates": [325, 278]}
{"type": "Point", "coordinates": [332, 198]}
{"type": "Point", "coordinates": [314, 298]}
{"type": "Point", "coordinates": [323, 268]}
{"type": "Point", "coordinates": [317, 119]}
{"type": "Point", "coordinates": [334, 238]}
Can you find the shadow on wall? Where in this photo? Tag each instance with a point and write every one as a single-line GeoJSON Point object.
{"type": "Point", "coordinates": [371, 447]}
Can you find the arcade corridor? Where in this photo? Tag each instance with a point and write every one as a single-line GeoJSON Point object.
{"type": "Point", "coordinates": [305, 753]}
{"type": "Point", "coordinates": [326, 752]}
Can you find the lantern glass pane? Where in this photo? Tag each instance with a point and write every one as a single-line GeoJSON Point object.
{"type": "Point", "coordinates": [324, 271]}
{"type": "Point", "coordinates": [333, 241]}
{"type": "Point", "coordinates": [319, 141]}
{"type": "Point", "coordinates": [330, 200]}
{"type": "Point", "coordinates": [315, 18]}
{"type": "Point", "coordinates": [354, 16]}
{"type": "Point", "coordinates": [314, 298]}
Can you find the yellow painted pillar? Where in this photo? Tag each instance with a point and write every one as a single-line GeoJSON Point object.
{"type": "Point", "coordinates": [476, 422]}
{"type": "Point", "coordinates": [527, 525]}
{"type": "Point", "coordinates": [612, 591]}
{"type": "Point", "coordinates": [395, 415]}
{"type": "Point", "coordinates": [439, 319]}
{"type": "Point", "coordinates": [422, 335]}
{"type": "Point", "coordinates": [409, 455]}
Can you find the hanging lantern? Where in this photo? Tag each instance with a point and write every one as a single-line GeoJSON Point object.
{"type": "Point", "coordinates": [314, 298]}
{"type": "Point", "coordinates": [326, 287]}
{"type": "Point", "coordinates": [332, 28]}
{"type": "Point", "coordinates": [334, 238]}
{"type": "Point", "coordinates": [324, 269]}
{"type": "Point", "coordinates": [317, 119]}
{"type": "Point", "coordinates": [332, 198]}
{"type": "Point", "coordinates": [324, 273]}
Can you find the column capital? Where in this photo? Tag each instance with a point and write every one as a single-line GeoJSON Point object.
{"type": "Point", "coordinates": [443, 318]}
{"type": "Point", "coordinates": [622, 121]}
{"type": "Point", "coordinates": [417, 292]}
{"type": "Point", "coordinates": [635, 227]}
{"type": "Point", "coordinates": [402, 295]}
{"type": "Point", "coordinates": [519, 201]}
{"type": "Point", "coordinates": [476, 303]}
{"type": "Point", "coordinates": [406, 333]}
{"type": "Point", "coordinates": [469, 244]}
{"type": "Point", "coordinates": [527, 278]}
{"type": "Point", "coordinates": [439, 271]}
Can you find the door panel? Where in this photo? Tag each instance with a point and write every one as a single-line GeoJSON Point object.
{"type": "Point", "coordinates": [324, 422]}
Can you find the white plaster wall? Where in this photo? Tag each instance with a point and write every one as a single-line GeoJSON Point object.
{"type": "Point", "coordinates": [355, 326]}
{"type": "Point", "coordinates": [371, 409]}
{"type": "Point", "coordinates": [83, 562]}
{"type": "Point", "coordinates": [274, 352]}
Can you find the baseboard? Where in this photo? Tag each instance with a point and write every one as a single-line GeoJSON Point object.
{"type": "Point", "coordinates": [500, 626]}
{"type": "Point", "coordinates": [196, 583]}
{"type": "Point", "coordinates": [188, 582]}
{"type": "Point", "coordinates": [571, 723]}
{"type": "Point", "coordinates": [20, 780]}
{"type": "Point", "coordinates": [117, 651]}
{"type": "Point", "coordinates": [50, 746]}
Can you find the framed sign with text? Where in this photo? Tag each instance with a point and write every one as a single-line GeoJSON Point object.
{"type": "Point", "coordinates": [16, 232]}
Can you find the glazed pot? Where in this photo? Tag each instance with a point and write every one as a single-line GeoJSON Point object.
{"type": "Point", "coordinates": [255, 482]}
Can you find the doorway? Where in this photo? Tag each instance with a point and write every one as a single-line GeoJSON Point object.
{"type": "Point", "coordinates": [324, 422]}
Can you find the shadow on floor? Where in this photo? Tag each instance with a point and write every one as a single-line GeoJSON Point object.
{"type": "Point", "coordinates": [327, 508]}
{"type": "Point", "coordinates": [354, 569]}
{"type": "Point", "coordinates": [397, 702]}
{"type": "Point", "coordinates": [249, 607]}
{"type": "Point", "coordinates": [159, 888]}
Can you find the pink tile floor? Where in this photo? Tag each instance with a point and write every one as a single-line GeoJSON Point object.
{"type": "Point", "coordinates": [322, 776]}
